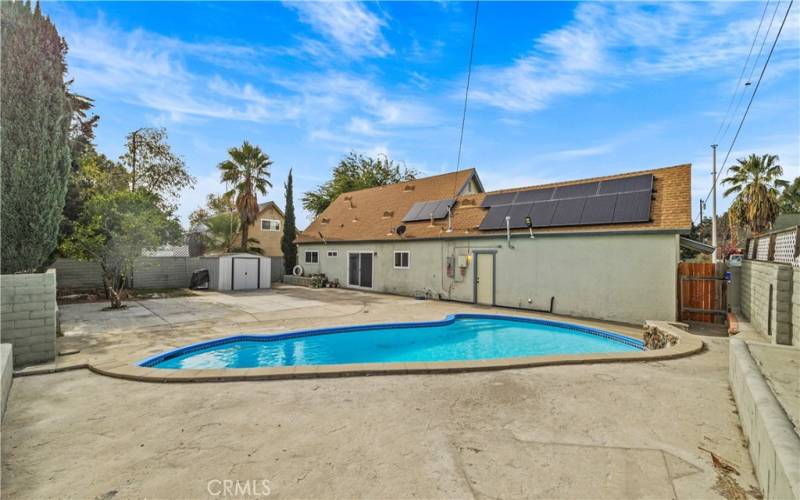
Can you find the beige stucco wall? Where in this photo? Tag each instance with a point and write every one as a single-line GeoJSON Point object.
{"type": "Point", "coordinates": [626, 278]}
{"type": "Point", "coordinates": [268, 241]}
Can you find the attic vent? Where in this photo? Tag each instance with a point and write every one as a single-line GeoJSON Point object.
{"type": "Point", "coordinates": [408, 187]}
{"type": "Point", "coordinates": [326, 221]}
{"type": "Point", "coordinates": [468, 202]}
{"type": "Point", "coordinates": [388, 213]}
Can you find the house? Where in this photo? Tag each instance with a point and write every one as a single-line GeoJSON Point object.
{"type": "Point", "coordinates": [267, 229]}
{"type": "Point", "coordinates": [605, 248]}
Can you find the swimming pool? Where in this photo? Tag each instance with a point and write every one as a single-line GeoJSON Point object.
{"type": "Point", "coordinates": [459, 337]}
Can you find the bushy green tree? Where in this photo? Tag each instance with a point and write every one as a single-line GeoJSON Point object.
{"type": "Point", "coordinates": [356, 171]}
{"type": "Point", "coordinates": [92, 174]}
{"type": "Point", "coordinates": [114, 230]}
{"type": "Point", "coordinates": [288, 246]}
{"type": "Point", "coordinates": [789, 199]}
{"type": "Point", "coordinates": [34, 137]}
{"type": "Point", "coordinates": [153, 167]}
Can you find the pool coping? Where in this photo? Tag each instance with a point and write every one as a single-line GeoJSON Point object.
{"type": "Point", "coordinates": [132, 369]}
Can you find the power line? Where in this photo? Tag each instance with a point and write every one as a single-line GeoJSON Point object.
{"type": "Point", "coordinates": [741, 75]}
{"type": "Point", "coordinates": [466, 92]}
{"type": "Point", "coordinates": [753, 69]}
{"type": "Point", "coordinates": [753, 95]}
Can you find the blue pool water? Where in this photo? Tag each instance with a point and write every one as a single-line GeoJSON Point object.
{"type": "Point", "coordinates": [457, 338]}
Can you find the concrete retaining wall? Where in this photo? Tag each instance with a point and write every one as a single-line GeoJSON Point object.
{"type": "Point", "coordinates": [149, 272]}
{"type": "Point", "coordinates": [769, 315]}
{"type": "Point", "coordinates": [28, 315]}
{"type": "Point", "coordinates": [6, 375]}
{"type": "Point", "coordinates": [796, 307]}
{"type": "Point", "coordinates": [773, 443]}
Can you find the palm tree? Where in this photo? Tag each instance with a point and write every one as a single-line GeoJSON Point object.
{"type": "Point", "coordinates": [755, 181]}
{"type": "Point", "coordinates": [248, 172]}
{"type": "Point", "coordinates": [221, 230]}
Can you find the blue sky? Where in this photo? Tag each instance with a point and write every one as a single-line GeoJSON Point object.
{"type": "Point", "coordinates": [559, 91]}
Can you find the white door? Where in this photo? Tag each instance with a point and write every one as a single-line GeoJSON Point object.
{"type": "Point", "coordinates": [245, 273]}
{"type": "Point", "coordinates": [484, 278]}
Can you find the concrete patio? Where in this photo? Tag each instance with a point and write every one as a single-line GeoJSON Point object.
{"type": "Point", "coordinates": [622, 430]}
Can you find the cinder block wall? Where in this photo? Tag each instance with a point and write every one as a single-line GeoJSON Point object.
{"type": "Point", "coordinates": [77, 274]}
{"type": "Point", "coordinates": [28, 316]}
{"type": "Point", "coordinates": [755, 302]}
{"type": "Point", "coordinates": [149, 272]}
{"type": "Point", "coordinates": [796, 307]}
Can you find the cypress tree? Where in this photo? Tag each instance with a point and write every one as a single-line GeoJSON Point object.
{"type": "Point", "coordinates": [34, 139]}
{"type": "Point", "coordinates": [288, 247]}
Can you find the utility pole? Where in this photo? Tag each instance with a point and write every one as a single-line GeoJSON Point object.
{"type": "Point", "coordinates": [714, 203]}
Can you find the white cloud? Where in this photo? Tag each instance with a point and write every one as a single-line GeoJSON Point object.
{"type": "Point", "coordinates": [351, 27]}
{"type": "Point", "coordinates": [609, 45]}
{"type": "Point", "coordinates": [160, 73]}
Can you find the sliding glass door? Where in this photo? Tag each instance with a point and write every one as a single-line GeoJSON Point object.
{"type": "Point", "coordinates": [359, 269]}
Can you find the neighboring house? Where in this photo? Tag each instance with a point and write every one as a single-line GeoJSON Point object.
{"type": "Point", "coordinates": [603, 248]}
{"type": "Point", "coordinates": [267, 229]}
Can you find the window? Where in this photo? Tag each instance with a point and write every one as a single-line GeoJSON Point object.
{"type": "Point", "coordinates": [402, 260]}
{"type": "Point", "coordinates": [312, 257]}
{"type": "Point", "coordinates": [270, 225]}
{"type": "Point", "coordinates": [333, 254]}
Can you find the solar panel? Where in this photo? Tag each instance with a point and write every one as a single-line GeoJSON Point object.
{"type": "Point", "coordinates": [542, 213]}
{"type": "Point", "coordinates": [627, 184]}
{"type": "Point", "coordinates": [633, 207]}
{"type": "Point", "coordinates": [599, 209]}
{"type": "Point", "coordinates": [440, 209]}
{"type": "Point", "coordinates": [518, 214]}
{"type": "Point", "coordinates": [495, 218]}
{"type": "Point", "coordinates": [576, 190]}
{"type": "Point", "coordinates": [422, 210]}
{"type": "Point", "coordinates": [498, 199]}
{"type": "Point", "coordinates": [533, 195]}
{"type": "Point", "coordinates": [568, 212]}
{"type": "Point", "coordinates": [413, 212]}
{"type": "Point", "coordinates": [615, 201]}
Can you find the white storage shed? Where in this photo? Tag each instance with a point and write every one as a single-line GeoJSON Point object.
{"type": "Point", "coordinates": [238, 271]}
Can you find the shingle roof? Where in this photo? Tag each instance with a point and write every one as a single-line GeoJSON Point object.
{"type": "Point", "coordinates": [372, 214]}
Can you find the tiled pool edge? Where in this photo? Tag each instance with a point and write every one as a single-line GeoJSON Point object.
{"type": "Point", "coordinates": [131, 370]}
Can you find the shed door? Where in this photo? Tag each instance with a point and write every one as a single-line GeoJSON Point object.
{"type": "Point", "coordinates": [484, 279]}
{"type": "Point", "coordinates": [245, 273]}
